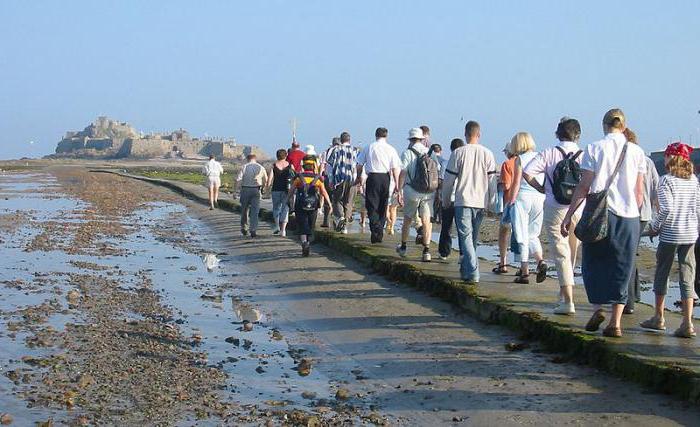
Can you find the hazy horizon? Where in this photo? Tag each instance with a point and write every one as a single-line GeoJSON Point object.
{"type": "Point", "coordinates": [245, 70]}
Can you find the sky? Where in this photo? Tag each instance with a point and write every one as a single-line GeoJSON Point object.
{"type": "Point", "coordinates": [245, 69]}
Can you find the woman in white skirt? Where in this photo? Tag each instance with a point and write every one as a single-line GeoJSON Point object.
{"type": "Point", "coordinates": [213, 170]}
{"type": "Point", "coordinates": [526, 212]}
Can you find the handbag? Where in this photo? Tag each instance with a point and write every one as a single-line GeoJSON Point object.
{"type": "Point", "coordinates": [593, 225]}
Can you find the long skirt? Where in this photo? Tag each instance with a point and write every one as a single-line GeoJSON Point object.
{"type": "Point", "coordinates": [607, 265]}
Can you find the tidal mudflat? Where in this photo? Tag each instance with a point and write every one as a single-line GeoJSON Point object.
{"type": "Point", "coordinates": [114, 311]}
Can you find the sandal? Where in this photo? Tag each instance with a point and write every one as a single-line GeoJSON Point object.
{"type": "Point", "coordinates": [612, 332]}
{"type": "Point", "coordinates": [500, 269]}
{"type": "Point", "coordinates": [594, 322]}
{"type": "Point", "coordinates": [524, 280]}
{"type": "Point", "coordinates": [685, 331]}
{"type": "Point", "coordinates": [541, 272]}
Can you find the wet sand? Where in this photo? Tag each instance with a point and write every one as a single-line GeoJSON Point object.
{"type": "Point", "coordinates": [118, 320]}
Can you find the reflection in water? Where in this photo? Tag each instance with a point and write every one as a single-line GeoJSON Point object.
{"type": "Point", "coordinates": [210, 261]}
{"type": "Point", "coordinates": [245, 312]}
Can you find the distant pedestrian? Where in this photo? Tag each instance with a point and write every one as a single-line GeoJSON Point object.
{"type": "Point", "coordinates": [650, 205]}
{"type": "Point", "coordinates": [613, 171]}
{"type": "Point", "coordinates": [307, 191]}
{"type": "Point", "coordinates": [417, 190]}
{"type": "Point", "coordinates": [435, 153]}
{"type": "Point", "coordinates": [310, 156]}
{"type": "Point", "coordinates": [470, 173]}
{"type": "Point", "coordinates": [341, 169]}
{"type": "Point", "coordinates": [505, 186]}
{"type": "Point", "coordinates": [380, 161]}
{"type": "Point", "coordinates": [560, 165]}
{"type": "Point", "coordinates": [327, 208]}
{"type": "Point", "coordinates": [448, 213]}
{"type": "Point", "coordinates": [252, 178]}
{"type": "Point", "coordinates": [677, 228]}
{"type": "Point", "coordinates": [213, 170]}
{"type": "Point", "coordinates": [278, 182]}
{"type": "Point", "coordinates": [295, 156]}
{"type": "Point", "coordinates": [527, 202]}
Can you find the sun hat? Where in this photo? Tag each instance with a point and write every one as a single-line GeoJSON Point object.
{"type": "Point", "coordinates": [679, 149]}
{"type": "Point", "coordinates": [310, 150]}
{"type": "Point", "coordinates": [416, 133]}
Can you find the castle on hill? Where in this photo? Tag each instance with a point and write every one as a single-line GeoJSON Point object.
{"type": "Point", "coordinates": [107, 138]}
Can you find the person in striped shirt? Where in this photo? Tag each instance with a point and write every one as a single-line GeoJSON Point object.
{"type": "Point", "coordinates": [677, 227]}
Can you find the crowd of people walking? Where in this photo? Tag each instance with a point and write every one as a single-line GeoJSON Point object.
{"type": "Point", "coordinates": [599, 198]}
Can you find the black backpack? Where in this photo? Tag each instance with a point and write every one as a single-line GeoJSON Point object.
{"type": "Point", "coordinates": [566, 176]}
{"type": "Point", "coordinates": [426, 174]}
{"type": "Point", "coordinates": [308, 198]}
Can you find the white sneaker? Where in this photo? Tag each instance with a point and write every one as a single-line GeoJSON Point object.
{"type": "Point", "coordinates": [564, 308]}
{"type": "Point", "coordinates": [401, 251]}
{"type": "Point", "coordinates": [427, 257]}
{"type": "Point", "coordinates": [345, 230]}
{"type": "Point", "coordinates": [442, 258]}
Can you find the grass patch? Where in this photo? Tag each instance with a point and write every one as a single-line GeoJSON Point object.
{"type": "Point", "coordinates": [188, 176]}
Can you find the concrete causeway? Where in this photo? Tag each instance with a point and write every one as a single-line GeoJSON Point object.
{"type": "Point", "coordinates": [657, 360]}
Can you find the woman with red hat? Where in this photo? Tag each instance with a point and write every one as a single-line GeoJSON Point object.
{"type": "Point", "coordinates": [677, 227]}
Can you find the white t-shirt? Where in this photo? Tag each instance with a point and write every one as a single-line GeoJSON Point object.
{"type": "Point", "coordinates": [469, 173]}
{"type": "Point", "coordinates": [409, 160]}
{"type": "Point", "coordinates": [212, 169]}
{"type": "Point", "coordinates": [601, 157]}
{"type": "Point", "coordinates": [379, 157]}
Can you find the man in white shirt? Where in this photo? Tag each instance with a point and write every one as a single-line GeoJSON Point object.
{"type": "Point", "coordinates": [251, 178]}
{"type": "Point", "coordinates": [213, 170]}
{"type": "Point", "coordinates": [381, 162]}
{"type": "Point", "coordinates": [470, 173]}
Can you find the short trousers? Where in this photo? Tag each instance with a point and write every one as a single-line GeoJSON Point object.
{"type": "Point", "coordinates": [417, 203]}
{"type": "Point", "coordinates": [213, 181]}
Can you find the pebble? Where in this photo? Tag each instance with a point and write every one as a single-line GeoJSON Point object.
{"type": "Point", "coordinates": [6, 419]}
{"type": "Point", "coordinates": [304, 367]}
{"type": "Point", "coordinates": [247, 326]}
{"type": "Point", "coordinates": [342, 394]}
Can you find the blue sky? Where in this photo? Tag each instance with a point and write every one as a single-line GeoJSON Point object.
{"type": "Point", "coordinates": [244, 69]}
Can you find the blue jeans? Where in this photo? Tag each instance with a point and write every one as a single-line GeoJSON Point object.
{"type": "Point", "coordinates": [468, 221]}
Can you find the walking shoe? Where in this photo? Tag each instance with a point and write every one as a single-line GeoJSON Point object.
{"type": "Point", "coordinates": [442, 257]}
{"type": "Point", "coordinates": [684, 331]}
{"type": "Point", "coordinates": [564, 308]}
{"type": "Point", "coordinates": [523, 280]}
{"type": "Point", "coordinates": [596, 319]}
{"type": "Point", "coordinates": [401, 250]}
{"type": "Point", "coordinates": [244, 232]}
{"type": "Point", "coordinates": [340, 225]}
{"type": "Point", "coordinates": [541, 272]}
{"type": "Point", "coordinates": [612, 332]}
{"type": "Point", "coordinates": [344, 230]}
{"type": "Point", "coordinates": [253, 234]}
{"type": "Point", "coordinates": [305, 247]}
{"type": "Point", "coordinates": [654, 323]}
{"type": "Point", "coordinates": [426, 255]}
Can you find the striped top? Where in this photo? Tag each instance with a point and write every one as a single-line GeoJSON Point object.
{"type": "Point", "coordinates": [679, 208]}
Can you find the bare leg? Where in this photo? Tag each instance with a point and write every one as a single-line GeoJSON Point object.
{"type": "Point", "coordinates": [427, 230]}
{"type": "Point", "coordinates": [616, 317]}
{"type": "Point", "coordinates": [211, 196]}
{"type": "Point", "coordinates": [688, 312]}
{"type": "Point", "coordinates": [216, 194]}
{"type": "Point", "coordinates": [567, 294]}
{"type": "Point", "coordinates": [503, 236]}
{"type": "Point", "coordinates": [659, 302]}
{"type": "Point", "coordinates": [406, 229]}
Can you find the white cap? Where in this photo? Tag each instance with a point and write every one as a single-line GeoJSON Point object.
{"type": "Point", "coordinates": [416, 133]}
{"type": "Point", "coordinates": [310, 150]}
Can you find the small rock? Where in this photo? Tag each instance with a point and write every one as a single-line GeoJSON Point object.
{"type": "Point", "coordinates": [247, 326]}
{"type": "Point", "coordinates": [73, 296]}
{"type": "Point", "coordinates": [513, 346]}
{"type": "Point", "coordinates": [342, 394]}
{"type": "Point", "coordinates": [6, 419]}
{"type": "Point", "coordinates": [259, 370]}
{"type": "Point", "coordinates": [304, 367]}
{"type": "Point", "coordinates": [276, 335]}
{"type": "Point", "coordinates": [47, 423]}
{"type": "Point", "coordinates": [308, 395]}
{"type": "Point", "coordinates": [234, 341]}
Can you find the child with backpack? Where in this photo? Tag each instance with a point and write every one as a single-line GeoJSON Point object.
{"type": "Point", "coordinates": [308, 191]}
{"type": "Point", "coordinates": [560, 165]}
{"type": "Point", "coordinates": [677, 227]}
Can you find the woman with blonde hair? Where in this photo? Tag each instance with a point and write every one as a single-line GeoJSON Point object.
{"type": "Point", "coordinates": [677, 227]}
{"type": "Point", "coordinates": [612, 173]}
{"type": "Point", "coordinates": [526, 203]}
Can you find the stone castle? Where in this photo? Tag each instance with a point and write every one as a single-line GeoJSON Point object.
{"type": "Point", "coordinates": [107, 138]}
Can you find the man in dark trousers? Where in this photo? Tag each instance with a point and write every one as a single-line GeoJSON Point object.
{"type": "Point", "coordinates": [380, 161]}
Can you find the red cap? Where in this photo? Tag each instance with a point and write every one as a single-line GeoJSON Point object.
{"type": "Point", "coordinates": [679, 149]}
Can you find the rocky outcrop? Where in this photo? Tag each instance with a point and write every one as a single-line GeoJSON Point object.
{"type": "Point", "coordinates": [107, 138]}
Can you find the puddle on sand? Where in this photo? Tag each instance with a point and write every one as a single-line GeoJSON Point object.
{"type": "Point", "coordinates": [194, 284]}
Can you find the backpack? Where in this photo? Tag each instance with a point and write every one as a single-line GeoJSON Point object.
{"type": "Point", "coordinates": [426, 174]}
{"type": "Point", "coordinates": [308, 198]}
{"type": "Point", "coordinates": [566, 176]}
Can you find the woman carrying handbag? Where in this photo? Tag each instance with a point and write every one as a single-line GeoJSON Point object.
{"type": "Point", "coordinates": [612, 183]}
